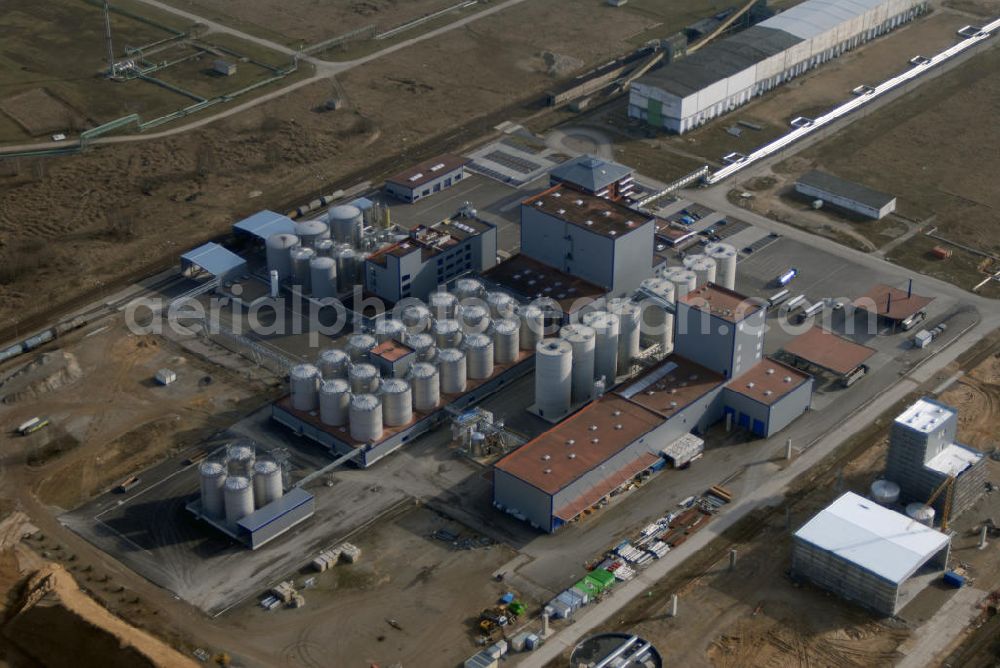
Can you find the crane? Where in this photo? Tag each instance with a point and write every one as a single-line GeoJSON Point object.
{"type": "Point", "coordinates": [946, 511]}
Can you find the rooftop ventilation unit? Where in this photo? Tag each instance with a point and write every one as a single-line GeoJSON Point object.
{"type": "Point", "coordinates": [416, 177]}
{"type": "Point", "coordinates": [438, 167]}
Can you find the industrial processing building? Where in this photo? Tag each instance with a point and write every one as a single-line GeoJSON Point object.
{"type": "Point", "coordinates": [869, 554]}
{"type": "Point", "coordinates": [427, 178]}
{"type": "Point", "coordinates": [730, 72]}
{"type": "Point", "coordinates": [845, 194]}
{"type": "Point", "coordinates": [594, 176]}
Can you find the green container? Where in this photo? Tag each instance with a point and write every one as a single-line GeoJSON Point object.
{"type": "Point", "coordinates": [605, 578]}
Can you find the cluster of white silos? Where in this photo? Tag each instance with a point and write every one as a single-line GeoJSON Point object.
{"type": "Point", "coordinates": [238, 485]}
{"type": "Point", "coordinates": [684, 280]}
{"type": "Point", "coordinates": [725, 257]}
{"type": "Point", "coordinates": [606, 328]}
{"type": "Point", "coordinates": [656, 297]}
{"type": "Point", "coordinates": [628, 313]}
{"type": "Point", "coordinates": [702, 266]}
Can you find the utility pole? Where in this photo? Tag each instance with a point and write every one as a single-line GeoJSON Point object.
{"type": "Point", "coordinates": [107, 39]}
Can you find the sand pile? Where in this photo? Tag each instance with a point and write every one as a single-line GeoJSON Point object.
{"type": "Point", "coordinates": [46, 373]}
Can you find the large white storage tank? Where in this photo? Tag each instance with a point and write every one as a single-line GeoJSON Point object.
{"type": "Point", "coordinates": [606, 327]}
{"type": "Point", "coordinates": [583, 340]}
{"type": "Point", "coordinates": [506, 340]}
{"type": "Point", "coordinates": [426, 383]}
{"type": "Point", "coordinates": [334, 401]}
{"type": "Point", "coordinates": [366, 418]}
{"type": "Point", "coordinates": [310, 232]}
{"type": "Point", "coordinates": [475, 318]}
{"type": "Point", "coordinates": [532, 326]}
{"type": "Point", "coordinates": [303, 385]}
{"type": "Point", "coordinates": [447, 333]}
{"type": "Point", "coordinates": [885, 492]}
{"type": "Point", "coordinates": [501, 304]}
{"type": "Point", "coordinates": [390, 329]}
{"type": "Point", "coordinates": [479, 349]}
{"type": "Point", "coordinates": [683, 279]}
{"type": "Point", "coordinates": [212, 476]}
{"type": "Point", "coordinates": [364, 378]}
{"type": "Point", "coordinates": [468, 288]}
{"type": "Point", "coordinates": [238, 498]}
{"type": "Point", "coordinates": [397, 402]}
{"type": "Point", "coordinates": [333, 363]}
{"type": "Point", "coordinates": [443, 305]}
{"type": "Point", "coordinates": [725, 257]}
{"type": "Point", "coordinates": [628, 313]}
{"type": "Point", "coordinates": [301, 257]}
{"type": "Point", "coordinates": [657, 323]}
{"type": "Point", "coordinates": [267, 485]}
{"type": "Point", "coordinates": [417, 318]}
{"type": "Point", "coordinates": [346, 267]}
{"type": "Point", "coordinates": [452, 365]}
{"type": "Point", "coordinates": [423, 345]}
{"type": "Point", "coordinates": [323, 277]}
{"type": "Point", "coordinates": [346, 222]}
{"type": "Point", "coordinates": [553, 378]}
{"type": "Point", "coordinates": [278, 250]}
{"type": "Point", "coordinates": [704, 271]}
{"type": "Point", "coordinates": [239, 458]}
{"type": "Point", "coordinates": [359, 346]}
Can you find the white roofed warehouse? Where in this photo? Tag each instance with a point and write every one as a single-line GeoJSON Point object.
{"type": "Point", "coordinates": [730, 72]}
{"type": "Point", "coordinates": [869, 554]}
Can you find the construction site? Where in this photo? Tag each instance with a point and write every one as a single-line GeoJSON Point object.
{"type": "Point", "coordinates": [611, 352]}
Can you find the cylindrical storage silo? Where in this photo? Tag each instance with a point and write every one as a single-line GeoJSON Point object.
{"type": "Point", "coordinates": [553, 377]}
{"type": "Point", "coordinates": [346, 222]}
{"type": "Point", "coordinates": [301, 257]}
{"type": "Point", "coordinates": [213, 480]}
{"type": "Point", "coordinates": [417, 318]}
{"type": "Point", "coordinates": [366, 418]}
{"type": "Point", "coordinates": [725, 257]}
{"type": "Point", "coordinates": [346, 261]}
{"type": "Point", "coordinates": [921, 512]}
{"type": "Point", "coordinates": [334, 401]}
{"type": "Point", "coordinates": [333, 363]}
{"type": "Point", "coordinates": [238, 498]}
{"type": "Point", "coordinates": [397, 402]}
{"type": "Point", "coordinates": [447, 333]}
{"type": "Point", "coordinates": [691, 258]}
{"type": "Point", "coordinates": [606, 327]}
{"type": "Point", "coordinates": [684, 280]}
{"type": "Point", "coordinates": [583, 340]}
{"type": "Point", "coordinates": [323, 277]}
{"type": "Point", "coordinates": [506, 340]}
{"type": "Point", "coordinates": [443, 305]}
{"type": "Point", "coordinates": [885, 492]}
{"type": "Point", "coordinates": [501, 305]}
{"type": "Point", "coordinates": [359, 346]}
{"type": "Point", "coordinates": [364, 378]}
{"type": "Point", "coordinates": [704, 270]}
{"type": "Point", "coordinates": [387, 329]}
{"type": "Point", "coordinates": [532, 326]}
{"type": "Point", "coordinates": [451, 364]}
{"type": "Point", "coordinates": [423, 345]}
{"type": "Point", "coordinates": [267, 485]}
{"type": "Point", "coordinates": [479, 352]}
{"type": "Point", "coordinates": [426, 384]}
{"type": "Point", "coordinates": [303, 382]}
{"type": "Point", "coordinates": [310, 232]}
{"type": "Point", "coordinates": [468, 288]}
{"type": "Point", "coordinates": [324, 247]}
{"type": "Point", "coordinates": [657, 323]}
{"type": "Point", "coordinates": [240, 458]}
{"type": "Point", "coordinates": [628, 313]}
{"type": "Point", "coordinates": [475, 318]}
{"type": "Point", "coordinates": [279, 258]}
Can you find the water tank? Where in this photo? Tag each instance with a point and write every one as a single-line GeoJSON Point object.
{"type": "Point", "coordinates": [324, 247]}
{"type": "Point", "coordinates": [278, 250]}
{"type": "Point", "coordinates": [387, 329]}
{"type": "Point", "coordinates": [310, 232]}
{"type": "Point", "coordinates": [267, 485]}
{"type": "Point", "coordinates": [501, 304]}
{"type": "Point", "coordinates": [426, 383]}
{"type": "Point", "coordinates": [346, 267]}
{"type": "Point", "coordinates": [921, 512]}
{"type": "Point", "coordinates": [583, 340]}
{"type": "Point", "coordinates": [628, 313]}
{"type": "Point", "coordinates": [451, 363]}
{"type": "Point", "coordinates": [479, 352]}
{"type": "Point", "coordinates": [447, 333]}
{"type": "Point", "coordinates": [423, 345]}
{"type": "Point", "coordinates": [213, 480]}
{"type": "Point", "coordinates": [704, 271]}
{"type": "Point", "coordinates": [885, 492]}
{"type": "Point", "coordinates": [359, 346]}
{"type": "Point", "coordinates": [346, 222]}
{"type": "Point", "coordinates": [725, 257]}
{"type": "Point", "coordinates": [333, 363]}
{"type": "Point", "coordinates": [334, 400]}
{"type": "Point", "coordinates": [475, 318]}
{"type": "Point", "coordinates": [366, 418]}
{"type": "Point", "coordinates": [468, 288]}
{"type": "Point", "coordinates": [364, 378]}
{"type": "Point", "coordinates": [238, 498]}
{"type": "Point", "coordinates": [397, 402]}
{"type": "Point", "coordinates": [301, 257]}
{"type": "Point", "coordinates": [506, 340]}
{"type": "Point", "coordinates": [684, 280]}
{"type": "Point", "coordinates": [323, 277]}
{"type": "Point", "coordinates": [303, 381]}
{"type": "Point", "coordinates": [442, 304]}
{"type": "Point", "coordinates": [605, 326]}
{"type": "Point", "coordinates": [240, 458]}
{"type": "Point", "coordinates": [532, 326]}
{"type": "Point", "coordinates": [553, 377]}
{"type": "Point", "coordinates": [417, 318]}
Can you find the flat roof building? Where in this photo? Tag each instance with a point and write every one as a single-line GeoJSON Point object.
{"type": "Point", "coordinates": [846, 194]}
{"type": "Point", "coordinates": [767, 397]}
{"type": "Point", "coordinates": [891, 303]}
{"type": "Point", "coordinates": [427, 178]}
{"type": "Point", "coordinates": [528, 279]}
{"type": "Point", "coordinates": [869, 554]}
{"type": "Point", "coordinates": [828, 351]}
{"type": "Point", "coordinates": [720, 329]}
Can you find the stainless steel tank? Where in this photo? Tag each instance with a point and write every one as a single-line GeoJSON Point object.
{"type": "Point", "coordinates": [310, 232]}
{"type": "Point", "coordinates": [475, 318]}
{"type": "Point", "coordinates": [212, 476]}
{"type": "Point", "coordinates": [417, 318]}
{"type": "Point", "coordinates": [452, 365]}
{"type": "Point", "coordinates": [501, 305]}
{"type": "Point", "coordinates": [303, 382]}
{"type": "Point", "coordinates": [506, 341]}
{"type": "Point", "coordinates": [334, 401]}
{"type": "Point", "coordinates": [366, 418]}
{"type": "Point", "coordinates": [606, 327]}
{"type": "Point", "coordinates": [333, 363]}
{"type": "Point", "coordinates": [468, 288]}
{"type": "Point", "coordinates": [628, 313]}
{"type": "Point", "coordinates": [346, 222]}
{"type": "Point", "coordinates": [532, 326]}
{"type": "Point", "coordinates": [657, 323]}
{"type": "Point", "coordinates": [447, 333]}
{"type": "Point", "coordinates": [359, 346]}
{"type": "Point", "coordinates": [238, 499]}
{"type": "Point", "coordinates": [301, 257]}
{"type": "Point", "coordinates": [397, 402]}
{"type": "Point", "coordinates": [423, 345]}
{"type": "Point", "coordinates": [426, 383]}
{"type": "Point", "coordinates": [324, 247]}
{"type": "Point", "coordinates": [323, 277]}
{"type": "Point", "coordinates": [583, 340]}
{"type": "Point", "coordinates": [479, 352]}
{"type": "Point", "coordinates": [346, 267]}
{"type": "Point", "coordinates": [267, 486]}
{"type": "Point", "coordinates": [364, 378]}
{"type": "Point", "coordinates": [389, 329]}
{"type": "Point", "coordinates": [443, 305]}
{"type": "Point", "coordinates": [278, 251]}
